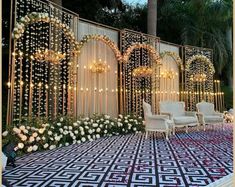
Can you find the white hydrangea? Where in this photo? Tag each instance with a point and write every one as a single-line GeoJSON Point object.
{"type": "Point", "coordinates": [35, 134]}
{"type": "Point", "coordinates": [98, 130]}
{"type": "Point", "coordinates": [79, 141]}
{"type": "Point", "coordinates": [5, 133]}
{"type": "Point", "coordinates": [88, 136]}
{"type": "Point", "coordinates": [105, 131]}
{"type": "Point", "coordinates": [61, 119]}
{"type": "Point", "coordinates": [90, 131]}
{"type": "Point", "coordinates": [70, 128]}
{"type": "Point", "coordinates": [25, 131]}
{"type": "Point", "coordinates": [59, 124]}
{"type": "Point", "coordinates": [82, 133]}
{"type": "Point", "coordinates": [16, 130]}
{"type": "Point", "coordinates": [22, 127]}
{"type": "Point", "coordinates": [66, 144]}
{"type": "Point", "coordinates": [83, 139]}
{"type": "Point", "coordinates": [61, 130]}
{"type": "Point", "coordinates": [81, 128]}
{"type": "Point", "coordinates": [85, 123]}
{"type": "Point", "coordinates": [95, 125]}
{"type": "Point", "coordinates": [134, 129]}
{"type": "Point", "coordinates": [75, 132]}
{"type": "Point", "coordinates": [31, 139]}
{"type": "Point", "coordinates": [126, 121]}
{"type": "Point", "coordinates": [65, 127]}
{"type": "Point", "coordinates": [97, 136]}
{"type": "Point", "coordinates": [52, 147]}
{"type": "Point", "coordinates": [20, 145]}
{"type": "Point", "coordinates": [43, 138]}
{"type": "Point", "coordinates": [57, 138]}
{"type": "Point", "coordinates": [35, 148]}
{"type": "Point", "coordinates": [75, 124]}
{"type": "Point", "coordinates": [101, 126]}
{"type": "Point", "coordinates": [45, 145]}
{"type": "Point", "coordinates": [30, 148]}
{"type": "Point", "coordinates": [86, 127]}
{"type": "Point", "coordinates": [38, 138]}
{"type": "Point", "coordinates": [49, 133]}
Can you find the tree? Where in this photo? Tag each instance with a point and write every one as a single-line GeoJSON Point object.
{"type": "Point", "coordinates": [152, 17]}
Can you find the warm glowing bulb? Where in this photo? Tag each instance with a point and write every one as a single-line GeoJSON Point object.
{"type": "Point", "coordinates": [81, 89]}
{"type": "Point", "coordinates": [21, 83]}
{"type": "Point", "coordinates": [70, 87]}
{"type": "Point", "coordinates": [39, 84]}
{"type": "Point", "coordinates": [64, 86]}
{"type": "Point", "coordinates": [55, 88]}
{"type": "Point", "coordinates": [87, 89]}
{"type": "Point", "coordinates": [9, 84]}
{"type": "Point", "coordinates": [84, 67]}
{"type": "Point", "coordinates": [75, 88]}
{"type": "Point", "coordinates": [47, 86]}
{"type": "Point", "coordinates": [20, 53]}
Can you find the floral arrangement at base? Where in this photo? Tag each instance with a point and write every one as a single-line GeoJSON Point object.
{"type": "Point", "coordinates": [63, 131]}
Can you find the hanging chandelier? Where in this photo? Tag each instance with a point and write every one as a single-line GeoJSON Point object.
{"type": "Point", "coordinates": [99, 67]}
{"type": "Point", "coordinates": [142, 71]}
{"type": "Point", "coordinates": [199, 77]}
{"type": "Point", "coordinates": [49, 56]}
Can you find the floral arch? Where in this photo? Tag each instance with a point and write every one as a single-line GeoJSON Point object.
{"type": "Point", "coordinates": [148, 47]}
{"type": "Point", "coordinates": [175, 57]}
{"type": "Point", "coordinates": [106, 40]}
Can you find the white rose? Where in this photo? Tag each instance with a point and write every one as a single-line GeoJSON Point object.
{"type": "Point", "coordinates": [49, 133]}
{"type": "Point", "coordinates": [97, 136]}
{"type": "Point", "coordinates": [83, 139]}
{"type": "Point", "coordinates": [91, 120]}
{"type": "Point", "coordinates": [41, 131]}
{"type": "Point", "coordinates": [66, 144]}
{"type": "Point", "coordinates": [51, 139]}
{"type": "Point", "coordinates": [105, 131]}
{"type": "Point", "coordinates": [16, 130]}
{"type": "Point", "coordinates": [82, 133]}
{"type": "Point", "coordinates": [88, 136]}
{"type": "Point", "coordinates": [81, 128]}
{"type": "Point", "coordinates": [101, 126]}
{"type": "Point", "coordinates": [24, 138]}
{"type": "Point", "coordinates": [60, 145]}
{"type": "Point", "coordinates": [52, 147]}
{"type": "Point", "coordinates": [20, 145]}
{"type": "Point", "coordinates": [74, 141]}
{"type": "Point", "coordinates": [70, 128]}
{"type": "Point", "coordinates": [78, 141]}
{"type": "Point", "coordinates": [126, 121]}
{"type": "Point", "coordinates": [61, 130]}
{"type": "Point", "coordinates": [75, 124]}
{"type": "Point", "coordinates": [30, 148]}
{"type": "Point", "coordinates": [74, 137]}
{"type": "Point", "coordinates": [38, 138]}
{"type": "Point", "coordinates": [90, 131]}
{"type": "Point", "coordinates": [112, 123]}
{"type": "Point", "coordinates": [5, 133]}
{"type": "Point", "coordinates": [65, 127]}
{"type": "Point", "coordinates": [123, 130]}
{"type": "Point", "coordinates": [107, 116]}
{"type": "Point", "coordinates": [125, 117]}
{"type": "Point", "coordinates": [119, 120]}
{"type": "Point", "coordinates": [35, 134]}
{"type": "Point", "coordinates": [101, 119]}
{"type": "Point", "coordinates": [43, 138]}
{"type": "Point", "coordinates": [57, 138]}
{"type": "Point", "coordinates": [120, 115]}
{"type": "Point", "coordinates": [134, 129]}
{"type": "Point", "coordinates": [22, 127]}
{"type": "Point", "coordinates": [98, 130]}
{"type": "Point", "coordinates": [59, 124]}
{"type": "Point", "coordinates": [131, 119]}
{"type": "Point", "coordinates": [35, 148]}
{"type": "Point", "coordinates": [85, 123]}
{"type": "Point", "coordinates": [95, 125]}
{"type": "Point", "coordinates": [31, 139]}
{"type": "Point", "coordinates": [61, 119]}
{"type": "Point", "coordinates": [86, 118]}
{"type": "Point", "coordinates": [45, 146]}
{"type": "Point", "coordinates": [97, 121]}
{"type": "Point", "coordinates": [75, 132]}
{"type": "Point", "coordinates": [26, 131]}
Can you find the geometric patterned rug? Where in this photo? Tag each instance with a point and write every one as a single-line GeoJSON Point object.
{"type": "Point", "coordinates": [194, 159]}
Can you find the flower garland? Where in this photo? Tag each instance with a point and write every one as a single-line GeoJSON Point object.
{"type": "Point", "coordinates": [148, 47]}
{"type": "Point", "coordinates": [175, 57]}
{"type": "Point", "coordinates": [35, 17]}
{"type": "Point", "coordinates": [64, 131]}
{"type": "Point", "coordinates": [200, 58]}
{"type": "Point", "coordinates": [103, 39]}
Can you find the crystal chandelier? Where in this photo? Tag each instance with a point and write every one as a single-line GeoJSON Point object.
{"type": "Point", "coordinates": [99, 67]}
{"type": "Point", "coordinates": [49, 56]}
{"type": "Point", "coordinates": [142, 71]}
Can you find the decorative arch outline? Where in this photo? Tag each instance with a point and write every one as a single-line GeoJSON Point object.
{"type": "Point", "coordinates": [106, 40]}
{"type": "Point", "coordinates": [35, 17]}
{"type": "Point", "coordinates": [175, 57]}
{"type": "Point", "coordinates": [148, 47]}
{"type": "Point", "coordinates": [201, 58]}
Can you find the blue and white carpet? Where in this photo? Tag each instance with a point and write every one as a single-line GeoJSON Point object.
{"type": "Point", "coordinates": [193, 159]}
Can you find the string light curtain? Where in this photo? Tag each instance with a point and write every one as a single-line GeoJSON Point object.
{"type": "Point", "coordinates": [36, 84]}
{"type": "Point", "coordinates": [199, 73]}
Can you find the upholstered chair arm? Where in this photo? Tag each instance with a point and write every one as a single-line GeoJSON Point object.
{"type": "Point", "coordinates": [200, 117]}
{"type": "Point", "coordinates": [189, 113]}
{"type": "Point", "coordinates": [167, 114]}
{"type": "Point", "coordinates": [160, 116]}
{"type": "Point", "coordinates": [156, 122]}
{"type": "Point", "coordinates": [218, 114]}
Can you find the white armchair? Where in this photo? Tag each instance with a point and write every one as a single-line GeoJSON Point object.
{"type": "Point", "coordinates": [160, 123]}
{"type": "Point", "coordinates": [176, 112]}
{"type": "Point", "coordinates": [207, 115]}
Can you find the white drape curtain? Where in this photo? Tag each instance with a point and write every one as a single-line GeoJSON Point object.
{"type": "Point", "coordinates": [169, 88]}
{"type": "Point", "coordinates": [97, 92]}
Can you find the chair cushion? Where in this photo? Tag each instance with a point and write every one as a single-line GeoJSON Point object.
{"type": "Point", "coordinates": [213, 118]}
{"type": "Point", "coordinates": [175, 108]}
{"type": "Point", "coordinates": [205, 108]}
{"type": "Point", "coordinates": [185, 120]}
{"type": "Point", "coordinates": [147, 109]}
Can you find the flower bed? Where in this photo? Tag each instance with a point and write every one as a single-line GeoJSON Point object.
{"type": "Point", "coordinates": [35, 136]}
